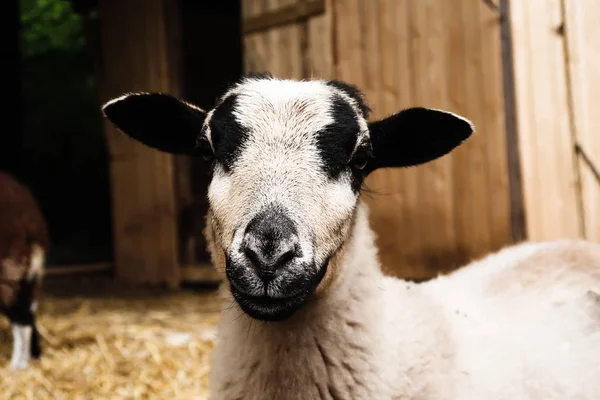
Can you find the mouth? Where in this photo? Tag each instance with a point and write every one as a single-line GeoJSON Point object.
{"type": "Point", "coordinates": [266, 308]}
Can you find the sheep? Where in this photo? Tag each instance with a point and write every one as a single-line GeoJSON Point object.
{"type": "Point", "coordinates": [311, 314]}
{"type": "Point", "coordinates": [23, 246]}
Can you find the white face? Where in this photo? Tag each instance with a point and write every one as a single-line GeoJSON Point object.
{"type": "Point", "coordinates": [278, 172]}
{"type": "Point", "coordinates": [289, 159]}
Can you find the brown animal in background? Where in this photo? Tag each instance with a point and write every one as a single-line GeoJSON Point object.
{"type": "Point", "coordinates": [23, 245]}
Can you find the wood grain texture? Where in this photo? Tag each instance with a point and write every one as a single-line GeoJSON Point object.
{"type": "Point", "coordinates": [293, 13]}
{"type": "Point", "coordinates": [515, 181]}
{"type": "Point", "coordinates": [136, 50]}
{"type": "Point", "coordinates": [278, 50]}
{"type": "Point", "coordinates": [492, 124]}
{"type": "Point", "coordinates": [403, 53]}
{"type": "Point", "coordinates": [441, 54]}
{"type": "Point", "coordinates": [549, 169]}
{"type": "Point", "coordinates": [583, 45]}
{"type": "Point", "coordinates": [319, 52]}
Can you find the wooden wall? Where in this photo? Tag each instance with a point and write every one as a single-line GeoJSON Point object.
{"type": "Point", "coordinates": [582, 19]}
{"type": "Point", "coordinates": [442, 54]}
{"type": "Point", "coordinates": [436, 53]}
{"type": "Point", "coordinates": [447, 54]}
{"type": "Point", "coordinates": [159, 200]}
{"type": "Point", "coordinates": [137, 56]}
{"type": "Point", "coordinates": [556, 64]}
{"type": "Point", "coordinates": [298, 49]}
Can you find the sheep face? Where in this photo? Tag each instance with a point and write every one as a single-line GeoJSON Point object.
{"type": "Point", "coordinates": [289, 159]}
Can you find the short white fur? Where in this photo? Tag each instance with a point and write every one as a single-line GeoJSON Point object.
{"type": "Point", "coordinates": [483, 332]}
{"type": "Point", "coordinates": [520, 324]}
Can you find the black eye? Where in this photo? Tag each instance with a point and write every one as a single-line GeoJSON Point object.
{"type": "Point", "coordinates": [204, 149]}
{"type": "Point", "coordinates": [360, 159]}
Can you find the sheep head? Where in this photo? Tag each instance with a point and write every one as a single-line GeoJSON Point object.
{"type": "Point", "coordinates": [288, 162]}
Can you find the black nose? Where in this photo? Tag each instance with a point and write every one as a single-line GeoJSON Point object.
{"type": "Point", "coordinates": [270, 242]}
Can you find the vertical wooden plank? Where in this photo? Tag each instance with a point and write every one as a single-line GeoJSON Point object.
{"type": "Point", "coordinates": [285, 43]}
{"type": "Point", "coordinates": [461, 63]}
{"type": "Point", "coordinates": [437, 229]}
{"type": "Point", "coordinates": [583, 41]}
{"type": "Point", "coordinates": [474, 204]}
{"type": "Point", "coordinates": [135, 50]}
{"type": "Point", "coordinates": [396, 190]}
{"type": "Point", "coordinates": [464, 98]}
{"type": "Point", "coordinates": [319, 57]}
{"type": "Point", "coordinates": [376, 51]}
{"type": "Point", "coordinates": [280, 50]}
{"type": "Point", "coordinates": [365, 34]}
{"type": "Point", "coordinates": [545, 141]}
{"type": "Point", "coordinates": [480, 170]}
{"type": "Point", "coordinates": [348, 42]}
{"type": "Point", "coordinates": [369, 21]}
{"type": "Point", "coordinates": [409, 258]}
{"type": "Point", "coordinates": [253, 52]}
{"type": "Point", "coordinates": [435, 53]}
{"type": "Point", "coordinates": [494, 137]}
{"type": "Point", "coordinates": [515, 181]}
{"type": "Point", "coordinates": [441, 54]}
{"type": "Point", "coordinates": [296, 50]}
{"type": "Point", "coordinates": [277, 52]}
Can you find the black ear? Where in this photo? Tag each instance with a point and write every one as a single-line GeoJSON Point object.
{"type": "Point", "coordinates": [415, 136]}
{"type": "Point", "coordinates": [158, 120]}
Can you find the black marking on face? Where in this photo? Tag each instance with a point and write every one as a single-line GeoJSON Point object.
{"type": "Point", "coordinates": [264, 308]}
{"type": "Point", "coordinates": [336, 142]}
{"type": "Point", "coordinates": [227, 134]}
{"type": "Point", "coordinates": [354, 93]}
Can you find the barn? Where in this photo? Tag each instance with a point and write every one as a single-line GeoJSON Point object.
{"type": "Point", "coordinates": [451, 55]}
{"type": "Point", "coordinates": [523, 72]}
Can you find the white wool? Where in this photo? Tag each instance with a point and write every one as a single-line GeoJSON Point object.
{"type": "Point", "coordinates": [522, 323]}
{"type": "Point", "coordinates": [504, 327]}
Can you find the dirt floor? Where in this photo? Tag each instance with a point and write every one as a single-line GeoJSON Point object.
{"type": "Point", "coordinates": [102, 342]}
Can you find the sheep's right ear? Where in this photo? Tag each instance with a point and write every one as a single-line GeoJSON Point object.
{"type": "Point", "coordinates": [158, 120]}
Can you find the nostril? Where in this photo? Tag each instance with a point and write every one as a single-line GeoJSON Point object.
{"type": "Point", "coordinates": [285, 257]}
{"type": "Point", "coordinates": [266, 257]}
{"type": "Point", "coordinates": [252, 255]}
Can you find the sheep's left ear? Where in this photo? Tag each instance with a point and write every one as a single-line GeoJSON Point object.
{"type": "Point", "coordinates": [158, 120]}
{"type": "Point", "coordinates": [415, 136]}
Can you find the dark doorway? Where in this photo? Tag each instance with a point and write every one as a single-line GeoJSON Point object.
{"type": "Point", "coordinates": [212, 60]}
{"type": "Point", "coordinates": [62, 154]}
{"type": "Point", "coordinates": [58, 147]}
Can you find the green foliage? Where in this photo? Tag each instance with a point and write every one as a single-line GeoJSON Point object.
{"type": "Point", "coordinates": [49, 25]}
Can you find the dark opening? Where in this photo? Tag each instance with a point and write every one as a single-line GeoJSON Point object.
{"type": "Point", "coordinates": [212, 60]}
{"type": "Point", "coordinates": [61, 150]}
